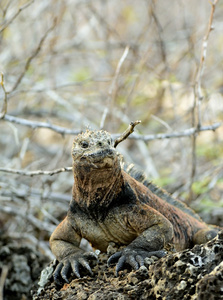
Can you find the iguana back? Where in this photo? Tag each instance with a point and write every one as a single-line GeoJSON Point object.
{"type": "Point", "coordinates": [158, 191]}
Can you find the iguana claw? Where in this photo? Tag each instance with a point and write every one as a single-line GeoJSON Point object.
{"type": "Point", "coordinates": [134, 258]}
{"type": "Point", "coordinates": [73, 263]}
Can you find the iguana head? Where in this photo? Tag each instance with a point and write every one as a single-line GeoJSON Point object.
{"type": "Point", "coordinates": [94, 149]}
{"type": "Point", "coordinates": [96, 167]}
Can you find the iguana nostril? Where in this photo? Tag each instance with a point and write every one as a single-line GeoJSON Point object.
{"type": "Point", "coordinates": [100, 144]}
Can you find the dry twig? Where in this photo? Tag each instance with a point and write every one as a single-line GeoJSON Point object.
{"type": "Point", "coordinates": [126, 133]}
{"type": "Point", "coordinates": [4, 108]}
{"type": "Point", "coordinates": [200, 70]}
{"type": "Point", "coordinates": [37, 172]}
{"type": "Point", "coordinates": [6, 23]}
{"type": "Point", "coordinates": [111, 93]}
{"type": "Point", "coordinates": [177, 134]}
{"type": "Point", "coordinates": [41, 225]}
{"type": "Point", "coordinates": [162, 49]}
{"type": "Point", "coordinates": [2, 281]}
{"type": "Point", "coordinates": [35, 124]}
{"type": "Point", "coordinates": [198, 97]}
{"type": "Point", "coordinates": [34, 54]}
{"type": "Point", "coordinates": [150, 137]}
{"type": "Point", "coordinates": [119, 139]}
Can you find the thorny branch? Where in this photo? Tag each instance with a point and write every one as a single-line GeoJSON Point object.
{"type": "Point", "coordinates": [35, 53]}
{"type": "Point", "coordinates": [126, 133]}
{"type": "Point", "coordinates": [4, 108]}
{"type": "Point", "coordinates": [7, 22]}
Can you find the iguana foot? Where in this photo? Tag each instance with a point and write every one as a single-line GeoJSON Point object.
{"type": "Point", "coordinates": [73, 263]}
{"type": "Point", "coordinates": [205, 235]}
{"type": "Point", "coordinates": [134, 258]}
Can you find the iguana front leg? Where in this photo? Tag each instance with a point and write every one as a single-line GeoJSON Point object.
{"type": "Point", "coordinates": [150, 241]}
{"type": "Point", "coordinates": [64, 243]}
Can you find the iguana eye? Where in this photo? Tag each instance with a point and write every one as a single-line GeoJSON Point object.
{"type": "Point", "coordinates": [84, 144]}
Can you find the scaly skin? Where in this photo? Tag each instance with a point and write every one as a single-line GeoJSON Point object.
{"type": "Point", "coordinates": [108, 205]}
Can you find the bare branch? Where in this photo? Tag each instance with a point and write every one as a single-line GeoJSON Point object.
{"type": "Point", "coordinates": [126, 133]}
{"type": "Point", "coordinates": [4, 108]}
{"type": "Point", "coordinates": [35, 124]}
{"type": "Point", "coordinates": [119, 139]}
{"type": "Point", "coordinates": [6, 192]}
{"type": "Point", "coordinates": [3, 277]}
{"type": "Point", "coordinates": [198, 97]}
{"type": "Point", "coordinates": [6, 23]}
{"type": "Point", "coordinates": [37, 172]}
{"type": "Point", "coordinates": [185, 133]}
{"type": "Point", "coordinates": [163, 50]}
{"type": "Point", "coordinates": [200, 70]}
{"type": "Point", "coordinates": [117, 71]}
{"type": "Point", "coordinates": [60, 86]}
{"type": "Point", "coordinates": [41, 225]}
{"type": "Point", "coordinates": [103, 21]}
{"type": "Point", "coordinates": [42, 245]}
{"type": "Point", "coordinates": [113, 84]}
{"type": "Point", "coordinates": [35, 52]}
{"type": "Point", "coordinates": [63, 130]}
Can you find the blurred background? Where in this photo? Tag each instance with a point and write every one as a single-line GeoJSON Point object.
{"type": "Point", "coordinates": [100, 64]}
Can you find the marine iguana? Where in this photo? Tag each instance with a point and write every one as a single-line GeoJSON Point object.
{"type": "Point", "coordinates": [110, 205]}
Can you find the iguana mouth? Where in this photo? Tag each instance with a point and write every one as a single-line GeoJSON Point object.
{"type": "Point", "coordinates": [100, 154]}
{"type": "Point", "coordinates": [102, 159]}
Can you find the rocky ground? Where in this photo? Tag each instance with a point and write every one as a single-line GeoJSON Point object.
{"type": "Point", "coordinates": [190, 274]}
{"type": "Point", "coordinates": [20, 266]}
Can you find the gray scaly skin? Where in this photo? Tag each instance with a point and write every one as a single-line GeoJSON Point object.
{"type": "Point", "coordinates": [109, 205]}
